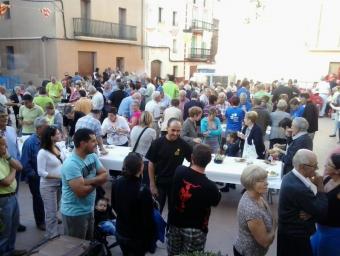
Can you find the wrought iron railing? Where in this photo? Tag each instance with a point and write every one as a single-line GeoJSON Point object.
{"type": "Point", "coordinates": [198, 53]}
{"type": "Point", "coordinates": [102, 29]}
{"type": "Point", "coordinates": [201, 25]}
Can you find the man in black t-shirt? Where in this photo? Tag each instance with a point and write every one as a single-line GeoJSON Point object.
{"type": "Point", "coordinates": [70, 119]}
{"type": "Point", "coordinates": [165, 155]}
{"type": "Point", "coordinates": [192, 196]}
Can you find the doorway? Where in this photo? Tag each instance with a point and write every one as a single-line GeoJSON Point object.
{"type": "Point", "coordinates": [86, 63]}
{"type": "Point", "coordinates": [156, 66]}
{"type": "Point", "coordinates": [120, 63]}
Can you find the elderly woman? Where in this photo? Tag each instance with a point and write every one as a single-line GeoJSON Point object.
{"type": "Point", "coordinates": [251, 137]}
{"type": "Point", "coordinates": [256, 222]}
{"type": "Point", "coordinates": [117, 129]}
{"type": "Point", "coordinates": [326, 240]}
{"type": "Point", "coordinates": [211, 130]}
{"type": "Point", "coordinates": [136, 113]}
{"type": "Point", "coordinates": [276, 133]}
{"type": "Point", "coordinates": [182, 99]}
{"type": "Point", "coordinates": [189, 131]}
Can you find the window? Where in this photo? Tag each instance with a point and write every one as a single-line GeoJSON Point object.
{"type": "Point", "coordinates": [160, 10]}
{"type": "Point", "coordinates": [174, 21]}
{"type": "Point", "coordinates": [120, 64]}
{"type": "Point", "coordinates": [7, 14]}
{"type": "Point", "coordinates": [174, 46]}
{"type": "Point", "coordinates": [174, 71]}
{"type": "Point", "coordinates": [10, 57]}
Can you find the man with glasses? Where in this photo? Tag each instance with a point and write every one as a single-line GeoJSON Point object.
{"type": "Point", "coordinates": [302, 202]}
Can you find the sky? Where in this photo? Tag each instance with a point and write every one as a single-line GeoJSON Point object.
{"type": "Point", "coordinates": [274, 46]}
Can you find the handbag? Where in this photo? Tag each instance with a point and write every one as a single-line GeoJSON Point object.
{"type": "Point", "coordinates": [140, 135]}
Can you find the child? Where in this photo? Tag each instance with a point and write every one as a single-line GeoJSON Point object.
{"type": "Point", "coordinates": [104, 217]}
{"type": "Point", "coordinates": [232, 146]}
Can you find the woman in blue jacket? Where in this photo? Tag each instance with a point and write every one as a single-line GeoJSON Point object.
{"type": "Point", "coordinates": [211, 130]}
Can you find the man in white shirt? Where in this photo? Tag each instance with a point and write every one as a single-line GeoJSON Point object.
{"type": "Point", "coordinates": [154, 108]}
{"type": "Point", "coordinates": [323, 88]}
{"type": "Point", "coordinates": [302, 203]}
{"type": "Point", "coordinates": [97, 98]}
{"type": "Point", "coordinates": [171, 112]}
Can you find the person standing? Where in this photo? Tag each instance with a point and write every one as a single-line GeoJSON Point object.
{"type": "Point", "coordinates": [50, 159]}
{"type": "Point", "coordinates": [256, 222]}
{"type": "Point", "coordinates": [194, 102]}
{"type": "Point", "coordinates": [310, 113]}
{"type": "Point", "coordinates": [165, 155]}
{"type": "Point", "coordinates": [28, 113]}
{"type": "Point", "coordinates": [29, 155]}
{"type": "Point", "coordinates": [9, 208]}
{"type": "Point", "coordinates": [70, 120]}
{"type": "Point", "coordinates": [170, 88]}
{"type": "Point", "coordinates": [42, 99]}
{"type": "Point", "coordinates": [54, 90]}
{"type": "Point", "coordinates": [171, 112]}
{"type": "Point", "coordinates": [81, 173]}
{"type": "Point", "coordinates": [326, 240]}
{"type": "Point", "coordinates": [133, 204]}
{"type": "Point", "coordinates": [301, 193]}
{"type": "Point", "coordinates": [324, 89]}
{"type": "Point", "coordinates": [193, 195]}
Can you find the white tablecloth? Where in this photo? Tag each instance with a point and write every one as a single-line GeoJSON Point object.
{"type": "Point", "coordinates": [227, 172]}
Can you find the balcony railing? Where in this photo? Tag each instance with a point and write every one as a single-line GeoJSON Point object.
{"type": "Point", "coordinates": [102, 29]}
{"type": "Point", "coordinates": [201, 25]}
{"type": "Point", "coordinates": [199, 53]}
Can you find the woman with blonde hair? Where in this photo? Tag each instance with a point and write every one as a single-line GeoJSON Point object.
{"type": "Point", "coordinates": [141, 137]}
{"type": "Point", "coordinates": [252, 138]}
{"type": "Point", "coordinates": [190, 131]}
{"type": "Point", "coordinates": [256, 222]}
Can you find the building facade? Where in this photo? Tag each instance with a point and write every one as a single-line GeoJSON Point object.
{"type": "Point", "coordinates": [179, 36]}
{"type": "Point", "coordinates": [39, 39]}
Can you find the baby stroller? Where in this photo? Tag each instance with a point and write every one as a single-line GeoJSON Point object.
{"type": "Point", "coordinates": [104, 230]}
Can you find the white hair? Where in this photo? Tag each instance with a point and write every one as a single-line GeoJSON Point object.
{"type": "Point", "coordinates": [302, 156]}
{"type": "Point", "coordinates": [301, 123]}
{"type": "Point", "coordinates": [155, 95]}
{"type": "Point", "coordinates": [92, 90]}
{"type": "Point", "coordinates": [40, 121]}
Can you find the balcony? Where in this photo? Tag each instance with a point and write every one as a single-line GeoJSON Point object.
{"type": "Point", "coordinates": [198, 54]}
{"type": "Point", "coordinates": [200, 25]}
{"type": "Point", "coordinates": [102, 29]}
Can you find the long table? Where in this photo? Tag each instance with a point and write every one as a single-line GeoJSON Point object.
{"type": "Point", "coordinates": [228, 172]}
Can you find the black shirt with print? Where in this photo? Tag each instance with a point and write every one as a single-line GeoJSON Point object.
{"type": "Point", "coordinates": [166, 156]}
{"type": "Point", "coordinates": [192, 196]}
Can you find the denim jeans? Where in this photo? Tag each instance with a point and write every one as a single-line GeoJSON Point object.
{"type": "Point", "coordinates": [9, 212]}
{"type": "Point", "coordinates": [38, 205]}
{"type": "Point", "coordinates": [79, 226]}
{"type": "Point", "coordinates": [49, 196]}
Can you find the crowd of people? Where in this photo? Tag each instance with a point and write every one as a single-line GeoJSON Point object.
{"type": "Point", "coordinates": [165, 122]}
